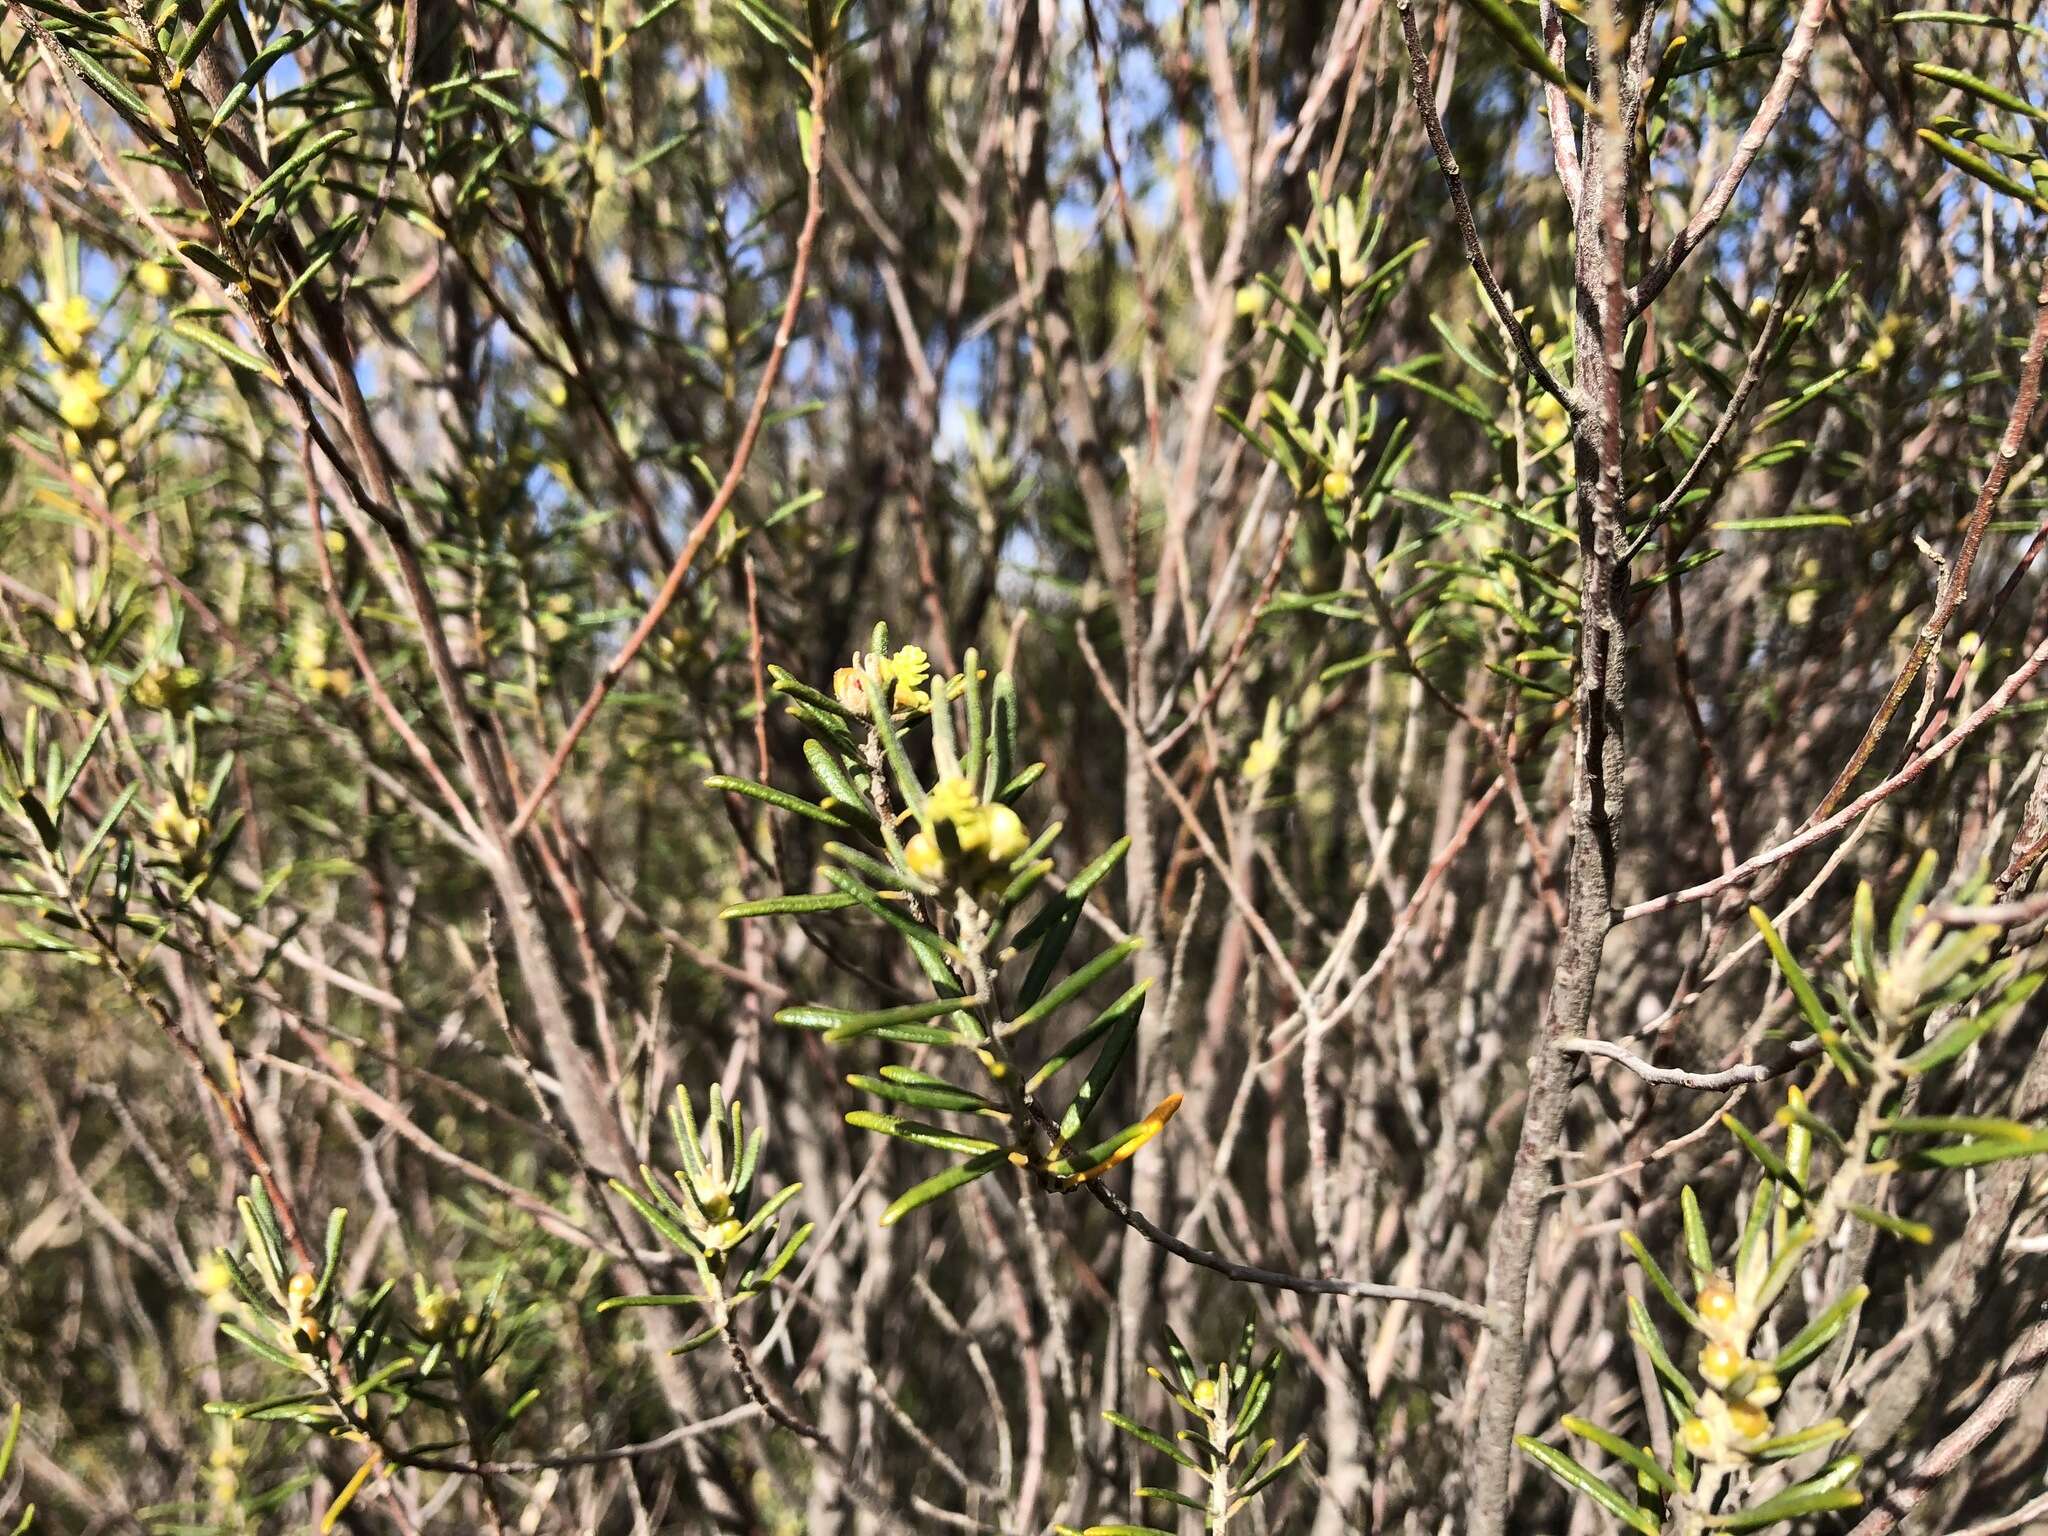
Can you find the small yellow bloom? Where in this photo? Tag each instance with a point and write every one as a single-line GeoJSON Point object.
{"type": "Point", "coordinates": [1262, 757]}
{"type": "Point", "coordinates": [1717, 1302]}
{"type": "Point", "coordinates": [69, 321]}
{"type": "Point", "coordinates": [176, 829]}
{"type": "Point", "coordinates": [1725, 1434]}
{"type": "Point", "coordinates": [1750, 1422]}
{"type": "Point", "coordinates": [1721, 1363]}
{"type": "Point", "coordinates": [1006, 835]}
{"type": "Point", "coordinates": [152, 279]}
{"type": "Point", "coordinates": [922, 854]}
{"type": "Point", "coordinates": [909, 669]}
{"type": "Point", "coordinates": [79, 394]}
{"type": "Point", "coordinates": [951, 800]}
{"type": "Point", "coordinates": [170, 689]}
{"type": "Point", "coordinates": [1205, 1392]}
{"type": "Point", "coordinates": [989, 837]}
{"type": "Point", "coordinates": [1251, 298]}
{"type": "Point", "coordinates": [436, 1309]}
{"type": "Point", "coordinates": [213, 1281]}
{"type": "Point", "coordinates": [1336, 485]}
{"type": "Point", "coordinates": [712, 1198]}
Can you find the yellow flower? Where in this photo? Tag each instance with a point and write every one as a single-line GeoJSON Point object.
{"type": "Point", "coordinates": [176, 829]}
{"type": "Point", "coordinates": [79, 394]}
{"type": "Point", "coordinates": [1336, 485]}
{"type": "Point", "coordinates": [436, 1308]}
{"type": "Point", "coordinates": [69, 321]}
{"type": "Point", "coordinates": [213, 1281]}
{"type": "Point", "coordinates": [1751, 1424]}
{"type": "Point", "coordinates": [922, 854]}
{"type": "Point", "coordinates": [152, 279]}
{"type": "Point", "coordinates": [950, 800]}
{"type": "Point", "coordinates": [1723, 1433]}
{"type": "Point", "coordinates": [1721, 1363]}
{"type": "Point", "coordinates": [989, 837]}
{"type": "Point", "coordinates": [1006, 835]}
{"type": "Point", "coordinates": [309, 646]}
{"type": "Point", "coordinates": [1717, 1302]}
{"type": "Point", "coordinates": [1262, 757]}
{"type": "Point", "coordinates": [170, 689]}
{"type": "Point", "coordinates": [908, 669]}
{"type": "Point", "coordinates": [1251, 298]}
{"type": "Point", "coordinates": [301, 1327]}
{"type": "Point", "coordinates": [1205, 1393]}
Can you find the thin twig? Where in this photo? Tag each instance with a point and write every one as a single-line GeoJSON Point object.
{"type": "Point", "coordinates": [1475, 254]}
{"type": "Point", "coordinates": [1677, 1077]}
{"type": "Point", "coordinates": [672, 585]}
{"type": "Point", "coordinates": [1805, 33]}
{"type": "Point", "coordinates": [1279, 1280]}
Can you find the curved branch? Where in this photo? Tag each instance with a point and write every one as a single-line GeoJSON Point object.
{"type": "Point", "coordinates": [1280, 1280]}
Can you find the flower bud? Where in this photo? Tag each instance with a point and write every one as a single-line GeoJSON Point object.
{"type": "Point", "coordinates": [1006, 835]}
{"type": "Point", "coordinates": [851, 690]}
{"type": "Point", "coordinates": [922, 854]}
{"type": "Point", "coordinates": [1717, 1302]}
{"type": "Point", "coordinates": [1721, 1362]}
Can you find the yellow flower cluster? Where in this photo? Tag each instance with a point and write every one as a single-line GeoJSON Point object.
{"type": "Point", "coordinates": [68, 322]}
{"type": "Point", "coordinates": [212, 1281]}
{"type": "Point", "coordinates": [224, 1467]}
{"type": "Point", "coordinates": [309, 658]}
{"type": "Point", "coordinates": [1731, 1419]}
{"type": "Point", "coordinates": [79, 393]}
{"type": "Point", "coordinates": [553, 621]}
{"type": "Point", "coordinates": [170, 689]}
{"type": "Point", "coordinates": [1263, 756]}
{"type": "Point", "coordinates": [434, 1306]}
{"type": "Point", "coordinates": [905, 673]}
{"type": "Point", "coordinates": [179, 830]}
{"type": "Point", "coordinates": [301, 1329]}
{"type": "Point", "coordinates": [965, 840]}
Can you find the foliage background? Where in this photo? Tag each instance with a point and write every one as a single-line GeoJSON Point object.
{"type": "Point", "coordinates": [595, 294]}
